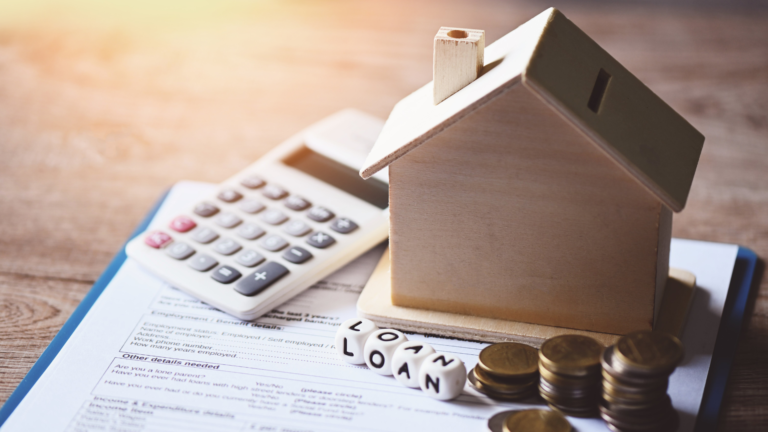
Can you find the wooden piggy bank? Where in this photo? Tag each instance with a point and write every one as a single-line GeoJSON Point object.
{"type": "Point", "coordinates": [534, 181]}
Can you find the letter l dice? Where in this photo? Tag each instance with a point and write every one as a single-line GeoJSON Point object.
{"type": "Point", "coordinates": [351, 337]}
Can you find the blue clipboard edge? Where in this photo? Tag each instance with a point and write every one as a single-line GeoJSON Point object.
{"type": "Point", "coordinates": [727, 339]}
{"type": "Point", "coordinates": [74, 320]}
{"type": "Point", "coordinates": [714, 390]}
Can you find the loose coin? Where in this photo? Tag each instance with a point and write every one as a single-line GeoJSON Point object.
{"type": "Point", "coordinates": [537, 421]}
{"type": "Point", "coordinates": [571, 355]}
{"type": "Point", "coordinates": [496, 422]}
{"type": "Point", "coordinates": [509, 360]}
{"type": "Point", "coordinates": [648, 352]}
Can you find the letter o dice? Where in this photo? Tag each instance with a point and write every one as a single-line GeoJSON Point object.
{"type": "Point", "coordinates": [407, 361]}
{"type": "Point", "coordinates": [380, 349]}
{"type": "Point", "coordinates": [351, 337]}
{"type": "Point", "coordinates": [442, 376]}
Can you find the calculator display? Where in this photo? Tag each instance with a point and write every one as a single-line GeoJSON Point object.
{"type": "Point", "coordinates": [373, 191]}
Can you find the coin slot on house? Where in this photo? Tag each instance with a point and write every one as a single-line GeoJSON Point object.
{"type": "Point", "coordinates": [598, 91]}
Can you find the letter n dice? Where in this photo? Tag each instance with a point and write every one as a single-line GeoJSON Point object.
{"type": "Point", "coordinates": [442, 376]}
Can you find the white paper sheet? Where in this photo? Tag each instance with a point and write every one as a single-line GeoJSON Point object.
{"type": "Point", "coordinates": [148, 357]}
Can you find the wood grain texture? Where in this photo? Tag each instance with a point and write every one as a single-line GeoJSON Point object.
{"type": "Point", "coordinates": [512, 213]}
{"type": "Point", "coordinates": [96, 121]}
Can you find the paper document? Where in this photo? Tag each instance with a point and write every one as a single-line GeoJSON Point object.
{"type": "Point", "coordinates": [148, 357]}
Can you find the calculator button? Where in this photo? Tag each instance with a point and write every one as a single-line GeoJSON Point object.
{"type": "Point", "coordinates": [250, 231]}
{"type": "Point", "coordinates": [296, 255]}
{"type": "Point", "coordinates": [226, 246]}
{"type": "Point", "coordinates": [249, 258]}
{"type": "Point", "coordinates": [274, 192]}
{"type": "Point", "coordinates": [296, 203]}
{"type": "Point", "coordinates": [182, 224]}
{"type": "Point", "coordinates": [252, 206]}
{"type": "Point", "coordinates": [225, 274]}
{"type": "Point", "coordinates": [320, 240]}
{"type": "Point", "coordinates": [343, 225]}
{"type": "Point", "coordinates": [228, 220]}
{"type": "Point", "coordinates": [229, 195]}
{"type": "Point", "coordinates": [157, 239]}
{"type": "Point", "coordinates": [180, 251]}
{"type": "Point", "coordinates": [205, 209]}
{"type": "Point", "coordinates": [297, 228]}
{"type": "Point", "coordinates": [264, 276]}
{"type": "Point", "coordinates": [253, 182]}
{"type": "Point", "coordinates": [204, 235]}
{"type": "Point", "coordinates": [273, 243]}
{"type": "Point", "coordinates": [202, 262]}
{"type": "Point", "coordinates": [274, 217]}
{"type": "Point", "coordinates": [319, 214]}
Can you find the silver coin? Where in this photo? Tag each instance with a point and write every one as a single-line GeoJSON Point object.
{"type": "Point", "coordinates": [496, 423]}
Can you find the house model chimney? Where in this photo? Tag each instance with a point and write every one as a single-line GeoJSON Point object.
{"type": "Point", "coordinates": [458, 60]}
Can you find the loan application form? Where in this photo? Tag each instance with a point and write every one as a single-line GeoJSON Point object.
{"type": "Point", "coordinates": [148, 357]}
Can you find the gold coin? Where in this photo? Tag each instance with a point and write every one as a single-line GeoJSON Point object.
{"type": "Point", "coordinates": [571, 355]}
{"type": "Point", "coordinates": [502, 386]}
{"type": "Point", "coordinates": [509, 360]}
{"type": "Point", "coordinates": [649, 351]}
{"type": "Point", "coordinates": [537, 421]}
{"type": "Point", "coordinates": [490, 392]}
{"type": "Point", "coordinates": [567, 381]}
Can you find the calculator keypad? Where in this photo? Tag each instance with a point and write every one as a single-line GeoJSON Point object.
{"type": "Point", "coordinates": [274, 217]}
{"type": "Point", "coordinates": [225, 274]}
{"type": "Point", "coordinates": [319, 214]}
{"type": "Point", "coordinates": [250, 231]}
{"type": "Point", "coordinates": [202, 262]}
{"type": "Point", "coordinates": [343, 225]}
{"type": "Point", "coordinates": [229, 195]}
{"type": "Point", "coordinates": [252, 228]}
{"type": "Point", "coordinates": [180, 251]}
{"type": "Point", "coordinates": [261, 279]}
{"type": "Point", "coordinates": [226, 246]}
{"type": "Point", "coordinates": [274, 192]}
{"type": "Point", "coordinates": [296, 255]}
{"type": "Point", "coordinates": [320, 240]}
{"type": "Point", "coordinates": [157, 239]}
{"type": "Point", "coordinates": [182, 224]}
{"type": "Point", "coordinates": [273, 243]}
{"type": "Point", "coordinates": [205, 209]}
{"type": "Point", "coordinates": [204, 235]}
{"type": "Point", "coordinates": [228, 220]}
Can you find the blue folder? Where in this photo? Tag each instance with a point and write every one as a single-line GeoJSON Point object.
{"type": "Point", "coordinates": [722, 359]}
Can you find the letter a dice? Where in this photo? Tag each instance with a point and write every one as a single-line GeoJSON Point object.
{"type": "Point", "coordinates": [351, 337]}
{"type": "Point", "coordinates": [442, 376]}
{"type": "Point", "coordinates": [407, 361]}
{"type": "Point", "coordinates": [380, 349]}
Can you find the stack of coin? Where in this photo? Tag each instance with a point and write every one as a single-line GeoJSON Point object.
{"type": "Point", "coordinates": [506, 371]}
{"type": "Point", "coordinates": [570, 374]}
{"type": "Point", "coordinates": [537, 420]}
{"type": "Point", "coordinates": [635, 377]}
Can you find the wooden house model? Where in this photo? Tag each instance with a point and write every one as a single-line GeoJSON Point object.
{"type": "Point", "coordinates": [534, 180]}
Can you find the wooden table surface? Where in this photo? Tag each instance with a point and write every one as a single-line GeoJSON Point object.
{"type": "Point", "coordinates": [102, 109]}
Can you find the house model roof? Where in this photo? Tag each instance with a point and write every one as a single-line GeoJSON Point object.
{"type": "Point", "coordinates": [558, 62]}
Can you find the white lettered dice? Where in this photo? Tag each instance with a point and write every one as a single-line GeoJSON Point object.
{"type": "Point", "coordinates": [442, 376]}
{"type": "Point", "coordinates": [380, 348]}
{"type": "Point", "coordinates": [407, 361]}
{"type": "Point", "coordinates": [351, 337]}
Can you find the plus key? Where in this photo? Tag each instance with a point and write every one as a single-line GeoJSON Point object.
{"type": "Point", "coordinates": [264, 276]}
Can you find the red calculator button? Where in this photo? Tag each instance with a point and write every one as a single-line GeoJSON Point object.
{"type": "Point", "coordinates": [157, 239]}
{"type": "Point", "coordinates": [182, 224]}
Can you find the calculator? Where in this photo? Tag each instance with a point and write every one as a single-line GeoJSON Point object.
{"type": "Point", "coordinates": [296, 215]}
